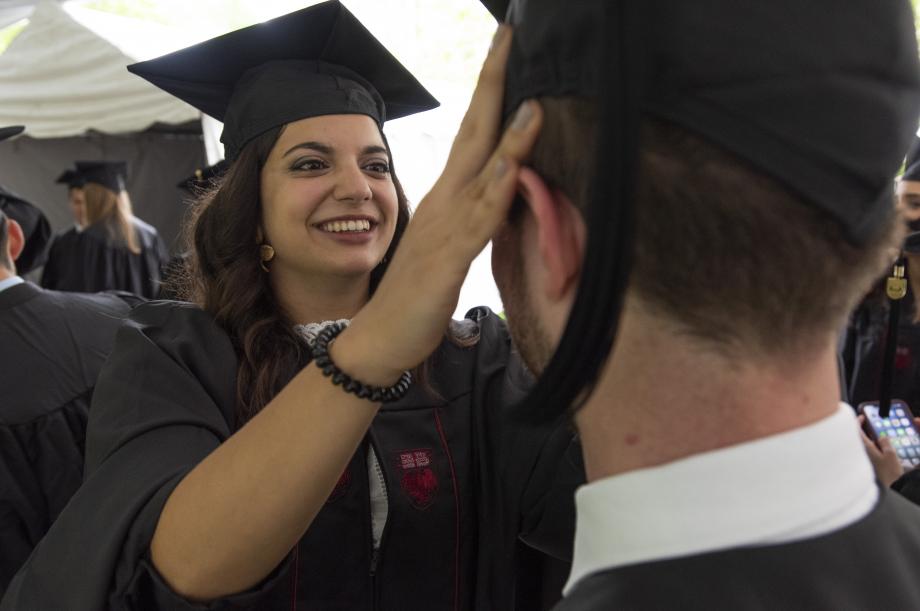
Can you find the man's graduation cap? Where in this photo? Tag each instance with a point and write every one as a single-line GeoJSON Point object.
{"type": "Point", "coordinates": [498, 8]}
{"type": "Point", "coordinates": [9, 132]}
{"type": "Point", "coordinates": [203, 178]}
{"type": "Point", "coordinates": [804, 92]}
{"type": "Point", "coordinates": [110, 174]}
{"type": "Point", "coordinates": [316, 61]}
{"type": "Point", "coordinates": [71, 178]}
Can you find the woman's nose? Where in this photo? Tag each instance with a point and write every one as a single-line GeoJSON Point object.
{"type": "Point", "coordinates": [352, 185]}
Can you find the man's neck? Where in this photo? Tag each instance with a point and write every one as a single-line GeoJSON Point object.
{"type": "Point", "coordinates": [663, 397]}
{"type": "Point", "coordinates": [6, 274]}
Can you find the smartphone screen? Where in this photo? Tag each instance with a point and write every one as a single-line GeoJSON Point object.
{"type": "Point", "coordinates": [898, 427]}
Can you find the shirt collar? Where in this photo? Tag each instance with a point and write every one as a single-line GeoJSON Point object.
{"type": "Point", "coordinates": [10, 282]}
{"type": "Point", "coordinates": [795, 485]}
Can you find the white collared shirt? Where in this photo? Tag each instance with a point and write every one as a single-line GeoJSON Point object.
{"type": "Point", "coordinates": [796, 485]}
{"type": "Point", "coordinates": [10, 282]}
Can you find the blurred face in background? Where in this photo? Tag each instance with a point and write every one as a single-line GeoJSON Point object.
{"type": "Point", "coordinates": [78, 206]}
{"type": "Point", "coordinates": [908, 198]}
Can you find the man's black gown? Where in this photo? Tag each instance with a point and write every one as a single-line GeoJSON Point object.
{"type": "Point", "coordinates": [91, 260]}
{"type": "Point", "coordinates": [52, 347]}
{"type": "Point", "coordinates": [865, 566]}
{"type": "Point", "coordinates": [467, 475]}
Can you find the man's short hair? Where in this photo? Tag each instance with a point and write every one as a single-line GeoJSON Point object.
{"type": "Point", "coordinates": [4, 241]}
{"type": "Point", "coordinates": [722, 250]}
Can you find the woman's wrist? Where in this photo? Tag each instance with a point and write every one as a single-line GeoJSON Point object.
{"type": "Point", "coordinates": [356, 353]}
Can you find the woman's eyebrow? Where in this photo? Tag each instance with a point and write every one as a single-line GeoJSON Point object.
{"type": "Point", "coordinates": [319, 147]}
{"type": "Point", "coordinates": [373, 150]}
{"type": "Point", "coordinates": [327, 149]}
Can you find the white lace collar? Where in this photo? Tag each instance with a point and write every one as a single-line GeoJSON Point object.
{"type": "Point", "coordinates": [310, 330]}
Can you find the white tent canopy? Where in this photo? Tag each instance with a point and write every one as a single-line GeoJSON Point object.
{"type": "Point", "coordinates": [60, 78]}
{"type": "Point", "coordinates": [12, 11]}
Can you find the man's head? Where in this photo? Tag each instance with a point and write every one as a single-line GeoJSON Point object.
{"type": "Point", "coordinates": [761, 216]}
{"type": "Point", "coordinates": [12, 242]}
{"type": "Point", "coordinates": [723, 252]}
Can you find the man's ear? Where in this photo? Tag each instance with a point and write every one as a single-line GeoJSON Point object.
{"type": "Point", "coordinates": [16, 240]}
{"type": "Point", "coordinates": [560, 232]}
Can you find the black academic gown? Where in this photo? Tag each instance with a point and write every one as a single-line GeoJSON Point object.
{"type": "Point", "coordinates": [52, 347]}
{"type": "Point", "coordinates": [870, 565]}
{"type": "Point", "coordinates": [467, 475]}
{"type": "Point", "coordinates": [91, 260]}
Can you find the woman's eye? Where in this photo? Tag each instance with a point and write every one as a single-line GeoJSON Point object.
{"type": "Point", "coordinates": [309, 164]}
{"type": "Point", "coordinates": [378, 167]}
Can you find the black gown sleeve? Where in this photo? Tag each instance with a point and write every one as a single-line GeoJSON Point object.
{"type": "Point", "coordinates": [164, 401]}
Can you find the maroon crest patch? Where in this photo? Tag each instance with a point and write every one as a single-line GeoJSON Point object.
{"type": "Point", "coordinates": [418, 479]}
{"type": "Point", "coordinates": [341, 486]}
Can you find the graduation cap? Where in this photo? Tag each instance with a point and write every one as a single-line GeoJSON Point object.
{"type": "Point", "coordinates": [203, 177]}
{"type": "Point", "coordinates": [316, 61]}
{"type": "Point", "coordinates": [71, 178]}
{"type": "Point", "coordinates": [804, 92]}
{"type": "Point", "coordinates": [9, 132]}
{"type": "Point", "coordinates": [498, 8]}
{"type": "Point", "coordinates": [109, 174]}
{"type": "Point", "coordinates": [35, 229]}
{"type": "Point", "coordinates": [912, 162]}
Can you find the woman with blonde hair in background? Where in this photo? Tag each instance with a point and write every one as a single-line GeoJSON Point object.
{"type": "Point", "coordinates": [116, 250]}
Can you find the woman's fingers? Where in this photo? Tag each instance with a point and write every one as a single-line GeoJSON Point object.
{"type": "Point", "coordinates": [496, 184]}
{"type": "Point", "coordinates": [480, 126]}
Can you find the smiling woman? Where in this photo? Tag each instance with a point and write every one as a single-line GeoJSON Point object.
{"type": "Point", "coordinates": [236, 455]}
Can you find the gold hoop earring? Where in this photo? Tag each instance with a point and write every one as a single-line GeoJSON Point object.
{"type": "Point", "coordinates": [266, 254]}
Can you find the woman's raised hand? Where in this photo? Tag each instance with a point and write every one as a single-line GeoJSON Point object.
{"type": "Point", "coordinates": [405, 320]}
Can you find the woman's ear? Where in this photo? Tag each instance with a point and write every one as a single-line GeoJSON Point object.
{"type": "Point", "coordinates": [560, 233]}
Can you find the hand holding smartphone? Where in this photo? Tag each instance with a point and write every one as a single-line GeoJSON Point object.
{"type": "Point", "coordinates": [898, 428]}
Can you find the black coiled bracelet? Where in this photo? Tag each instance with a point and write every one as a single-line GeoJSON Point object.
{"type": "Point", "coordinates": [377, 394]}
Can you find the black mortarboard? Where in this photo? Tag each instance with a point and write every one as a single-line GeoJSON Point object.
{"type": "Point", "coordinates": [9, 132]}
{"type": "Point", "coordinates": [805, 92]}
{"type": "Point", "coordinates": [110, 174]}
{"type": "Point", "coordinates": [203, 178]}
{"type": "Point", "coordinates": [498, 8]}
{"type": "Point", "coordinates": [912, 162]}
{"type": "Point", "coordinates": [35, 228]}
{"type": "Point", "coordinates": [316, 61]}
{"type": "Point", "coordinates": [71, 178]}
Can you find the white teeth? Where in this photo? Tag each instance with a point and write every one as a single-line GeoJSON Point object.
{"type": "Point", "coordinates": [342, 226]}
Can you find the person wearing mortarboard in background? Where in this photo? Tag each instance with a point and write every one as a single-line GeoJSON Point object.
{"type": "Point", "coordinates": [742, 153]}
{"type": "Point", "coordinates": [222, 465]}
{"type": "Point", "coordinates": [52, 346]}
{"type": "Point", "coordinates": [196, 186]}
{"type": "Point", "coordinates": [862, 339]}
{"type": "Point", "coordinates": [902, 381]}
{"type": "Point", "coordinates": [116, 250]}
{"type": "Point", "coordinates": [869, 330]}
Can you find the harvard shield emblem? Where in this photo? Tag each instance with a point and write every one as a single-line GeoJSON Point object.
{"type": "Point", "coordinates": [417, 478]}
